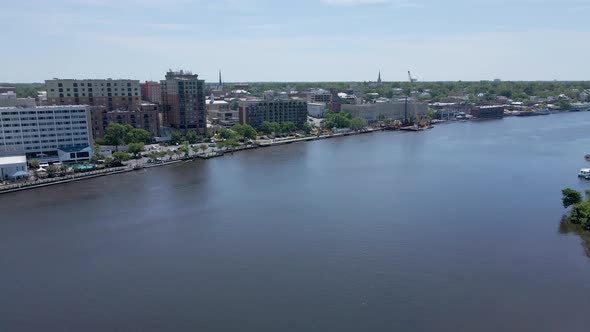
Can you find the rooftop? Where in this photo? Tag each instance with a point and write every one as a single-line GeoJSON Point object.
{"type": "Point", "coordinates": [45, 107]}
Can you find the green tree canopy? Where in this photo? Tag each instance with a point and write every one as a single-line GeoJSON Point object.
{"type": "Point", "coordinates": [52, 169]}
{"type": "Point", "coordinates": [192, 137]}
{"type": "Point", "coordinates": [288, 127]}
{"type": "Point", "coordinates": [176, 137]}
{"type": "Point", "coordinates": [137, 135]}
{"type": "Point", "coordinates": [136, 148]}
{"type": "Point", "coordinates": [245, 131]}
{"type": "Point", "coordinates": [115, 135]}
{"type": "Point", "coordinates": [270, 127]}
{"type": "Point", "coordinates": [357, 123]}
{"type": "Point", "coordinates": [229, 143]}
{"type": "Point", "coordinates": [307, 127]}
{"type": "Point", "coordinates": [228, 134]}
{"type": "Point", "coordinates": [119, 157]}
{"type": "Point", "coordinates": [570, 197]}
{"type": "Point", "coordinates": [35, 164]}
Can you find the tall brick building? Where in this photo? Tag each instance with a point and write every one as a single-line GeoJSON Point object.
{"type": "Point", "coordinates": [151, 91]}
{"type": "Point", "coordinates": [183, 101]}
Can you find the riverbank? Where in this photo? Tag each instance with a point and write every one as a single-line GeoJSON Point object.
{"type": "Point", "coordinates": [10, 188]}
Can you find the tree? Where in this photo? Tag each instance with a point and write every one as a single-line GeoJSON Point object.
{"type": "Point", "coordinates": [192, 137]}
{"type": "Point", "coordinates": [307, 127]}
{"type": "Point", "coordinates": [115, 135]}
{"type": "Point", "coordinates": [35, 164]}
{"type": "Point", "coordinates": [270, 127]}
{"type": "Point", "coordinates": [109, 162]}
{"type": "Point", "coordinates": [227, 134]}
{"type": "Point", "coordinates": [203, 147]}
{"type": "Point", "coordinates": [119, 157]}
{"type": "Point", "coordinates": [245, 131]}
{"type": "Point", "coordinates": [357, 123]}
{"type": "Point", "coordinates": [570, 197]}
{"type": "Point", "coordinates": [51, 170]}
{"type": "Point", "coordinates": [288, 127]}
{"type": "Point", "coordinates": [184, 148]}
{"type": "Point", "coordinates": [136, 148]}
{"type": "Point", "coordinates": [137, 135]}
{"type": "Point", "coordinates": [431, 114]}
{"type": "Point", "coordinates": [63, 168]}
{"type": "Point", "coordinates": [229, 143]}
{"type": "Point", "coordinates": [96, 156]}
{"type": "Point", "coordinates": [176, 137]}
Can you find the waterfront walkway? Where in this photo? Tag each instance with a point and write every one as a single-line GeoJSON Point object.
{"type": "Point", "coordinates": [143, 163]}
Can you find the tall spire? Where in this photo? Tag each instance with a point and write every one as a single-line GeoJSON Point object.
{"type": "Point", "coordinates": [379, 77]}
{"type": "Point", "coordinates": [220, 84]}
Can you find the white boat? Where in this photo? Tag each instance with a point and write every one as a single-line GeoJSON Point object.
{"type": "Point", "coordinates": [584, 173]}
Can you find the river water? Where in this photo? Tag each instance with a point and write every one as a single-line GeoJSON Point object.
{"type": "Point", "coordinates": [454, 229]}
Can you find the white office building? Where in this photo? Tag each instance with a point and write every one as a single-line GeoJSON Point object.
{"type": "Point", "coordinates": [316, 110]}
{"type": "Point", "coordinates": [48, 133]}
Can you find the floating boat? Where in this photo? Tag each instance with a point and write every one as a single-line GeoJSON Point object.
{"type": "Point", "coordinates": [584, 173]}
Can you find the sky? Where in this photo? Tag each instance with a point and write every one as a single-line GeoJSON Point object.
{"type": "Point", "coordinates": [300, 40]}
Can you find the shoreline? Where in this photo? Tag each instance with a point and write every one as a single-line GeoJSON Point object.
{"type": "Point", "coordinates": [129, 168]}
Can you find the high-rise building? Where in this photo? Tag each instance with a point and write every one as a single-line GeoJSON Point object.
{"type": "Point", "coordinates": [183, 99]}
{"type": "Point", "coordinates": [113, 94]}
{"type": "Point", "coordinates": [254, 112]}
{"type": "Point", "coordinates": [151, 91]}
{"type": "Point", "coordinates": [48, 133]}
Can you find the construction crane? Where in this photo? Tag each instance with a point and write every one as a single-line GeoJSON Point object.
{"type": "Point", "coordinates": [412, 80]}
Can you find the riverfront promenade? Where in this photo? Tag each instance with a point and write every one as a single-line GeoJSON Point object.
{"type": "Point", "coordinates": [137, 164]}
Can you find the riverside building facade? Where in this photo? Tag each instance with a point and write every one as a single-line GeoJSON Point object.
{"type": "Point", "coordinates": [48, 133]}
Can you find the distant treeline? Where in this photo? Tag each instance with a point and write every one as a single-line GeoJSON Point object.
{"type": "Point", "coordinates": [24, 90]}
{"type": "Point", "coordinates": [520, 91]}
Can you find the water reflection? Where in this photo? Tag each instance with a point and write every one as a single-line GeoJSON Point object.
{"type": "Point", "coordinates": [566, 227]}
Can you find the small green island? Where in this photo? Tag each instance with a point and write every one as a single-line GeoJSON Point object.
{"type": "Point", "coordinates": [579, 213]}
{"type": "Point", "coordinates": [577, 221]}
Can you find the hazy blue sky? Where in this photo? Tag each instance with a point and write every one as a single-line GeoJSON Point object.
{"type": "Point", "coordinates": [301, 40]}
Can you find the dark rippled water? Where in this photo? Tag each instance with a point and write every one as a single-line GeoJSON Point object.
{"type": "Point", "coordinates": [454, 229]}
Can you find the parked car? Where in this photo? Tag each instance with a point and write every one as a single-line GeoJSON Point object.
{"type": "Point", "coordinates": [212, 145]}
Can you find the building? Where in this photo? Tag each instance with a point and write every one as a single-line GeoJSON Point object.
{"type": "Point", "coordinates": [219, 113]}
{"type": "Point", "coordinates": [319, 96]}
{"type": "Point", "coordinates": [393, 110]}
{"type": "Point", "coordinates": [5, 89]}
{"type": "Point", "coordinates": [48, 133]}
{"type": "Point", "coordinates": [147, 117]}
{"type": "Point", "coordinates": [110, 101]}
{"type": "Point", "coordinates": [113, 94]}
{"type": "Point", "coordinates": [254, 112]}
{"type": "Point", "coordinates": [183, 99]}
{"type": "Point", "coordinates": [151, 92]}
{"type": "Point", "coordinates": [488, 111]}
{"type": "Point", "coordinates": [8, 99]}
{"type": "Point", "coordinates": [10, 165]}
{"type": "Point", "coordinates": [316, 110]}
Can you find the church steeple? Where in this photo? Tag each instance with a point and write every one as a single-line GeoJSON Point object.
{"type": "Point", "coordinates": [379, 77]}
